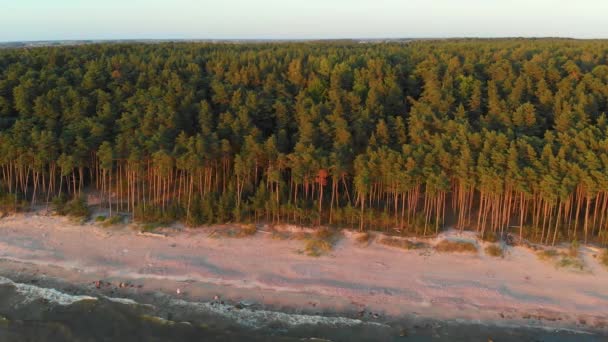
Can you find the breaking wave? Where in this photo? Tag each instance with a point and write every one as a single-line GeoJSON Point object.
{"type": "Point", "coordinates": [261, 318]}
{"type": "Point", "coordinates": [32, 293]}
{"type": "Point", "coordinates": [244, 316]}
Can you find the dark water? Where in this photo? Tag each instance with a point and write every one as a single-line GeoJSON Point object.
{"type": "Point", "coordinates": [31, 313]}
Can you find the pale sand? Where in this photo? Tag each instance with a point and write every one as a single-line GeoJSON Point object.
{"type": "Point", "coordinates": [518, 289]}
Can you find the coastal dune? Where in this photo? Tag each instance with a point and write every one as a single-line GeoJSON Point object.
{"type": "Point", "coordinates": [372, 281]}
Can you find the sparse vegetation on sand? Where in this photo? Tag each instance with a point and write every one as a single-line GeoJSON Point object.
{"type": "Point", "coordinates": [448, 246]}
{"type": "Point", "coordinates": [235, 232]}
{"type": "Point", "coordinates": [573, 250]}
{"type": "Point", "coordinates": [246, 230]}
{"type": "Point", "coordinates": [150, 226]}
{"type": "Point", "coordinates": [280, 235]}
{"type": "Point", "coordinates": [548, 254]}
{"type": "Point", "coordinates": [317, 247]}
{"type": "Point", "coordinates": [113, 220]}
{"type": "Point", "coordinates": [364, 238]}
{"type": "Point", "coordinates": [495, 250]}
{"type": "Point", "coordinates": [570, 260]}
{"type": "Point", "coordinates": [489, 237]}
{"type": "Point", "coordinates": [402, 243]}
{"type": "Point", "coordinates": [604, 258]}
{"type": "Point", "coordinates": [320, 242]}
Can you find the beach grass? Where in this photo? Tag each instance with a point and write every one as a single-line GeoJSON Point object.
{"type": "Point", "coordinates": [495, 250]}
{"type": "Point", "coordinates": [569, 260]}
{"type": "Point", "coordinates": [241, 231]}
{"type": "Point", "coordinates": [449, 246]}
{"type": "Point", "coordinates": [604, 258]}
{"type": "Point", "coordinates": [289, 235]}
{"type": "Point", "coordinates": [301, 236]}
{"type": "Point", "coordinates": [279, 235]}
{"type": "Point", "coordinates": [402, 243]}
{"type": "Point", "coordinates": [150, 226]}
{"type": "Point", "coordinates": [316, 247]}
{"type": "Point", "coordinates": [548, 254]}
{"type": "Point", "coordinates": [489, 237]}
{"type": "Point", "coordinates": [364, 238]}
{"type": "Point", "coordinates": [111, 221]}
{"type": "Point", "coordinates": [320, 242]}
{"type": "Point", "coordinates": [574, 248]}
{"type": "Point", "coordinates": [246, 230]}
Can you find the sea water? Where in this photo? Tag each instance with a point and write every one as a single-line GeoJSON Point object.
{"type": "Point", "coordinates": [37, 313]}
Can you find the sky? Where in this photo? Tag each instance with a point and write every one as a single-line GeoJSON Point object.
{"type": "Point", "coordinates": [26, 20]}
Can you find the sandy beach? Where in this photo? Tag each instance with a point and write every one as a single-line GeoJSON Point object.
{"type": "Point", "coordinates": [374, 282]}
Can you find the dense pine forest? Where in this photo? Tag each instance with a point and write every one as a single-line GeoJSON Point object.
{"type": "Point", "coordinates": [489, 135]}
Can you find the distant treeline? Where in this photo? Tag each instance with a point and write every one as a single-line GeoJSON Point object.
{"type": "Point", "coordinates": [488, 135]}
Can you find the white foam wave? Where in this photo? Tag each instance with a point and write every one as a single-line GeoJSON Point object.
{"type": "Point", "coordinates": [261, 318]}
{"type": "Point", "coordinates": [244, 316]}
{"type": "Point", "coordinates": [125, 301]}
{"type": "Point", "coordinates": [31, 293]}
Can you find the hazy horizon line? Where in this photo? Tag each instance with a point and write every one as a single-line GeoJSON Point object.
{"type": "Point", "coordinates": [291, 39]}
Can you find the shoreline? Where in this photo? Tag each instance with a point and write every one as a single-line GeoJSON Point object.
{"type": "Point", "coordinates": [257, 323]}
{"type": "Point", "coordinates": [256, 318]}
{"type": "Point", "coordinates": [376, 283]}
